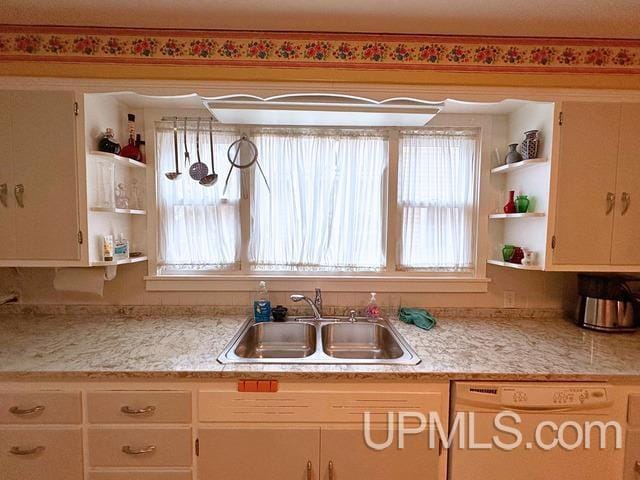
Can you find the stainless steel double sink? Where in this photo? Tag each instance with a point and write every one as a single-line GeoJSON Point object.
{"type": "Point", "coordinates": [333, 340]}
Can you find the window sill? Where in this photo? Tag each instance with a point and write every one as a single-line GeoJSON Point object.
{"type": "Point", "coordinates": [333, 283]}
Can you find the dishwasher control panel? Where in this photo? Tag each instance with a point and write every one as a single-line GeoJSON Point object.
{"type": "Point", "coordinates": [549, 397]}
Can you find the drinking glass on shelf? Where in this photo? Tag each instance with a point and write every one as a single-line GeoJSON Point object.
{"type": "Point", "coordinates": [122, 200]}
{"type": "Point", "coordinates": [105, 183]}
{"type": "Point", "coordinates": [136, 195]}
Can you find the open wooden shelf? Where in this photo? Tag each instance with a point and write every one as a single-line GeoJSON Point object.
{"type": "Point", "coordinates": [120, 261]}
{"type": "Point", "coordinates": [510, 167]}
{"type": "Point", "coordinates": [517, 266]}
{"type": "Point", "coordinates": [128, 211]}
{"type": "Point", "coordinates": [118, 160]}
{"type": "Point", "coordinates": [517, 215]}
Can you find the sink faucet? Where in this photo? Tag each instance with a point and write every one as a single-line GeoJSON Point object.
{"type": "Point", "coordinates": [316, 305]}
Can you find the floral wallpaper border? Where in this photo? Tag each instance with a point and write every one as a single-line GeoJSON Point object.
{"type": "Point", "coordinates": [213, 47]}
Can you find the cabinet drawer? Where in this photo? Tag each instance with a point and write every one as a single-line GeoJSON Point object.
{"type": "Point", "coordinates": [140, 475]}
{"type": "Point", "coordinates": [40, 407]}
{"type": "Point", "coordinates": [169, 447]}
{"type": "Point", "coordinates": [58, 455]}
{"type": "Point", "coordinates": [142, 407]}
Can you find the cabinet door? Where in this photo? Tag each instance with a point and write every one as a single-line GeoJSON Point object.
{"type": "Point", "coordinates": [626, 227]}
{"type": "Point", "coordinates": [43, 137]}
{"type": "Point", "coordinates": [267, 453]}
{"type": "Point", "coordinates": [7, 212]}
{"type": "Point", "coordinates": [586, 175]}
{"type": "Point", "coordinates": [346, 456]}
{"type": "Point", "coordinates": [632, 456]}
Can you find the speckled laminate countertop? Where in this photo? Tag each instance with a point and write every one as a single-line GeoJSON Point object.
{"type": "Point", "coordinates": [172, 346]}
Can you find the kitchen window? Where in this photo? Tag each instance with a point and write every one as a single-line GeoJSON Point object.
{"type": "Point", "coordinates": [436, 199]}
{"type": "Point", "coordinates": [329, 207]}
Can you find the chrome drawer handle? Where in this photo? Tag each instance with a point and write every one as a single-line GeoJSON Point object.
{"type": "Point", "coordinates": [19, 194]}
{"type": "Point", "coordinates": [138, 451]}
{"type": "Point", "coordinates": [26, 411]}
{"type": "Point", "coordinates": [3, 194]}
{"type": "Point", "coordinates": [138, 411]}
{"type": "Point", "coordinates": [26, 451]}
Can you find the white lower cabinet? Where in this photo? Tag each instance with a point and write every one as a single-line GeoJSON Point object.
{"type": "Point", "coordinates": [316, 432]}
{"type": "Point", "coordinates": [238, 452]}
{"type": "Point", "coordinates": [41, 454]}
{"type": "Point", "coordinates": [212, 431]}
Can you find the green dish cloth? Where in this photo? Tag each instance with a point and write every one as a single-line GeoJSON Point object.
{"type": "Point", "coordinates": [418, 316]}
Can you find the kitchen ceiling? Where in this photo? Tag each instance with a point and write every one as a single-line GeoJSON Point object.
{"type": "Point", "coordinates": [543, 18]}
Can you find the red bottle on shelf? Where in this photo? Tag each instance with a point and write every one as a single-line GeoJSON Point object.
{"type": "Point", "coordinates": [510, 206]}
{"type": "Point", "coordinates": [131, 150]}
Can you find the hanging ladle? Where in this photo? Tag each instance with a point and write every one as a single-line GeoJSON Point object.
{"type": "Point", "coordinates": [212, 178]}
{"type": "Point", "coordinates": [198, 170]}
{"type": "Point", "coordinates": [176, 174]}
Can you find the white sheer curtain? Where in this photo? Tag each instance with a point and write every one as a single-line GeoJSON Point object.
{"type": "Point", "coordinates": [326, 210]}
{"type": "Point", "coordinates": [198, 230]}
{"type": "Point", "coordinates": [436, 197]}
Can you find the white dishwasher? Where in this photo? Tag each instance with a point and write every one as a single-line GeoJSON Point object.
{"type": "Point", "coordinates": [560, 424]}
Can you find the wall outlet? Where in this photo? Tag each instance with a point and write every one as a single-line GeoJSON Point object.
{"type": "Point", "coordinates": [509, 299]}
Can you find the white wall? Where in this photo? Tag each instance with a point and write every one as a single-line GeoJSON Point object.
{"type": "Point", "coordinates": [533, 290]}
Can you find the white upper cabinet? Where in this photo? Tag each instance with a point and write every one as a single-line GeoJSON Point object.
{"type": "Point", "coordinates": [597, 226]}
{"type": "Point", "coordinates": [40, 222]}
{"type": "Point", "coordinates": [7, 206]}
{"type": "Point", "coordinates": [626, 226]}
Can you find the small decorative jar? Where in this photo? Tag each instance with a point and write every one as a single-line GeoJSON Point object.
{"type": "Point", "coordinates": [512, 155]}
{"type": "Point", "coordinates": [517, 256]}
{"type": "Point", "coordinates": [529, 146]}
{"type": "Point", "coordinates": [107, 143]}
{"type": "Point", "coordinates": [529, 258]}
{"type": "Point", "coordinates": [507, 252]}
{"type": "Point", "coordinates": [510, 206]}
{"type": "Point", "coordinates": [522, 203]}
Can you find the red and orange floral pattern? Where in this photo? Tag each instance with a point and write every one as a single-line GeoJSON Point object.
{"type": "Point", "coordinates": [203, 48]}
{"type": "Point", "coordinates": [261, 49]}
{"type": "Point", "coordinates": [172, 48]}
{"type": "Point", "coordinates": [316, 49]}
{"type": "Point", "coordinates": [144, 47]}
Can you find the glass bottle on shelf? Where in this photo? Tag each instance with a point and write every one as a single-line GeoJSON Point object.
{"type": "Point", "coordinates": [108, 143]}
{"type": "Point", "coordinates": [122, 200]}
